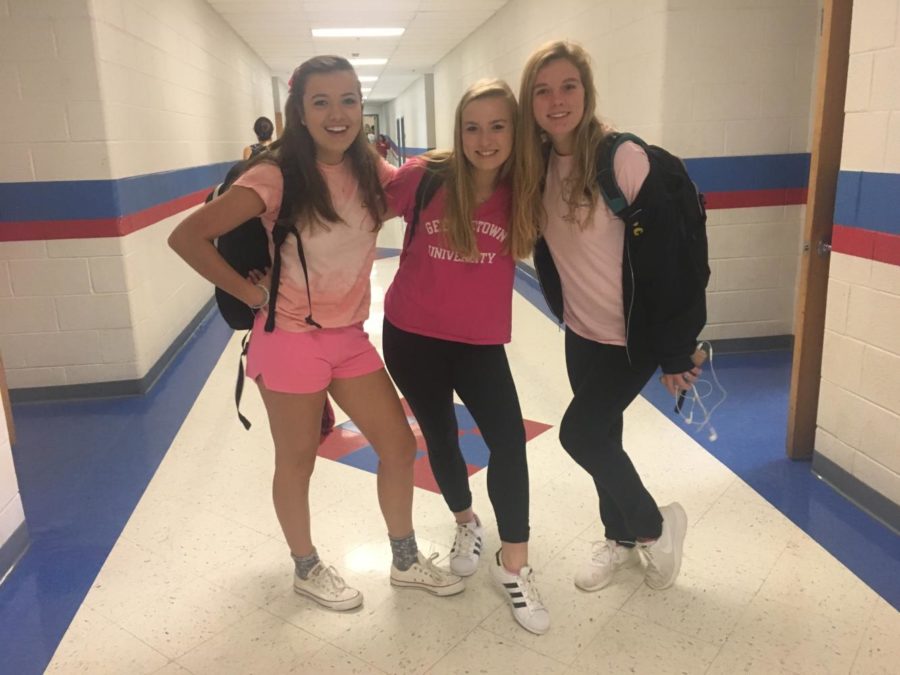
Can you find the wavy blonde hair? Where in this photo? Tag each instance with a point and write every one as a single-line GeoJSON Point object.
{"type": "Point", "coordinates": [533, 144]}
{"type": "Point", "coordinates": [457, 177]}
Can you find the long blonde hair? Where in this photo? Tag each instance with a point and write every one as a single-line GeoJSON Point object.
{"type": "Point", "coordinates": [458, 181]}
{"type": "Point", "coordinates": [533, 144]}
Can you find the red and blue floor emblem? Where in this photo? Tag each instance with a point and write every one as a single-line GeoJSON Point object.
{"type": "Point", "coordinates": [347, 445]}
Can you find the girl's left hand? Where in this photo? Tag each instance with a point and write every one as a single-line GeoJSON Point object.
{"type": "Point", "coordinates": [676, 382]}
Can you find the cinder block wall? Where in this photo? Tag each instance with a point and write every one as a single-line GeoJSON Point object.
{"type": "Point", "coordinates": [726, 85]}
{"type": "Point", "coordinates": [859, 402]}
{"type": "Point", "coordinates": [115, 119]}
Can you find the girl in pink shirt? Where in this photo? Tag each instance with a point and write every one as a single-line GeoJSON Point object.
{"type": "Point", "coordinates": [447, 317]}
{"type": "Point", "coordinates": [622, 318]}
{"type": "Point", "coordinates": [334, 183]}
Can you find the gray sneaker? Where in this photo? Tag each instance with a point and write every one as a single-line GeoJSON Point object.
{"type": "Point", "coordinates": [663, 556]}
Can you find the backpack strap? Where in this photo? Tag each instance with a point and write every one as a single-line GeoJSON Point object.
{"type": "Point", "coordinates": [429, 184]}
{"type": "Point", "coordinates": [606, 175]}
{"type": "Point", "coordinates": [239, 386]}
{"type": "Point", "coordinates": [279, 235]}
{"type": "Point", "coordinates": [310, 321]}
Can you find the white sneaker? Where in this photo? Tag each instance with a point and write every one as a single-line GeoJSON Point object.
{"type": "Point", "coordinates": [466, 548]}
{"type": "Point", "coordinates": [664, 555]}
{"type": "Point", "coordinates": [523, 596]}
{"type": "Point", "coordinates": [429, 577]}
{"type": "Point", "coordinates": [606, 557]}
{"type": "Point", "coordinates": [325, 586]}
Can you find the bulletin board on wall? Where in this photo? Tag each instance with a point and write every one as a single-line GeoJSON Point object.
{"type": "Point", "coordinates": [370, 124]}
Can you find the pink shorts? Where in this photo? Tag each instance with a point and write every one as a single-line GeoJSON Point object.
{"type": "Point", "coordinates": [307, 362]}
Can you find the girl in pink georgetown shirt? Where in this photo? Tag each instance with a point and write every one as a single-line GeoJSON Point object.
{"type": "Point", "coordinates": [447, 317]}
{"type": "Point", "coordinates": [338, 203]}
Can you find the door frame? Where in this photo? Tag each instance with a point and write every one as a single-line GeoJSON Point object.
{"type": "Point", "coordinates": [812, 287]}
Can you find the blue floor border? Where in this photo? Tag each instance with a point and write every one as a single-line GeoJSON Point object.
{"type": "Point", "coordinates": [752, 427]}
{"type": "Point", "coordinates": [82, 467]}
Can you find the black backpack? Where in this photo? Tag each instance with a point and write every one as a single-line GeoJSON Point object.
{"type": "Point", "coordinates": [246, 248]}
{"type": "Point", "coordinates": [685, 202]}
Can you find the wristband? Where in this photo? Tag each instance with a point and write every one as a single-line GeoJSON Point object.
{"type": "Point", "coordinates": [265, 300]}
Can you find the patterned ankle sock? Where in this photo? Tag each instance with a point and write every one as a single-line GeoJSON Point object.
{"type": "Point", "coordinates": [304, 564]}
{"type": "Point", "coordinates": [405, 551]}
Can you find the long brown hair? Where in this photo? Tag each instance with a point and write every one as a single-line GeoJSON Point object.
{"type": "Point", "coordinates": [457, 178]}
{"type": "Point", "coordinates": [533, 145]}
{"type": "Point", "coordinates": [295, 154]}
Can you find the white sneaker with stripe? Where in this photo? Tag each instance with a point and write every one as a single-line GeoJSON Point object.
{"type": "Point", "coordinates": [466, 550]}
{"type": "Point", "coordinates": [523, 596]}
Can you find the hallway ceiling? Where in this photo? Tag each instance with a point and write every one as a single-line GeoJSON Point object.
{"type": "Point", "coordinates": [280, 32]}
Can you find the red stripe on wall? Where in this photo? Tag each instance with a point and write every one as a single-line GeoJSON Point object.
{"type": "Point", "coordinates": [740, 199]}
{"type": "Point", "coordinates": [853, 241]}
{"type": "Point", "coordinates": [36, 230]}
{"type": "Point", "coordinates": [887, 248]}
{"type": "Point", "coordinates": [880, 246]}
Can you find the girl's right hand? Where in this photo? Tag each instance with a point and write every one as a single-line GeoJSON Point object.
{"type": "Point", "coordinates": [256, 276]}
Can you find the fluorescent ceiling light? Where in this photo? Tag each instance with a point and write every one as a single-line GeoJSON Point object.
{"type": "Point", "coordinates": [366, 90]}
{"type": "Point", "coordinates": [368, 78]}
{"type": "Point", "coordinates": [356, 32]}
{"type": "Point", "coordinates": [367, 62]}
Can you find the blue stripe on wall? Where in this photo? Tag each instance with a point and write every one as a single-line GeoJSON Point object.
{"type": "Point", "coordinates": [868, 200]}
{"type": "Point", "coordinates": [750, 172]}
{"type": "Point", "coordinates": [77, 200]}
{"type": "Point", "coordinates": [88, 199]}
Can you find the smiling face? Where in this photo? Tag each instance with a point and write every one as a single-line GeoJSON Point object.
{"type": "Point", "coordinates": [558, 102]}
{"type": "Point", "coordinates": [332, 112]}
{"type": "Point", "coordinates": [487, 133]}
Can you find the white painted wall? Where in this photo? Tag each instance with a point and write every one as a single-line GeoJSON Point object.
{"type": "Point", "coordinates": [11, 514]}
{"type": "Point", "coordinates": [108, 89]}
{"type": "Point", "coordinates": [703, 78]}
{"type": "Point", "coordinates": [413, 106]}
{"type": "Point", "coordinates": [859, 401]}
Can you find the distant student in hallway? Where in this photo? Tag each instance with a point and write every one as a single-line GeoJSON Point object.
{"type": "Point", "coordinates": [325, 167]}
{"type": "Point", "coordinates": [263, 128]}
{"type": "Point", "coordinates": [448, 314]}
{"type": "Point", "coordinates": [626, 301]}
{"type": "Point", "coordinates": [382, 146]}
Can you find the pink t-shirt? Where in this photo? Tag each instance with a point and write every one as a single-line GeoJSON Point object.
{"type": "Point", "coordinates": [436, 293]}
{"type": "Point", "coordinates": [338, 259]}
{"type": "Point", "coordinates": [589, 260]}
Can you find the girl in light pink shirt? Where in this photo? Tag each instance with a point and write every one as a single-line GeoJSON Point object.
{"type": "Point", "coordinates": [324, 165]}
{"type": "Point", "coordinates": [622, 317]}
{"type": "Point", "coordinates": [448, 314]}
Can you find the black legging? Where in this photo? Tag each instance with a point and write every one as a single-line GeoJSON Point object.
{"type": "Point", "coordinates": [427, 372]}
{"type": "Point", "coordinates": [604, 383]}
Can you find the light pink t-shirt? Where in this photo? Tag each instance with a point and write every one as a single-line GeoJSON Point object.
{"type": "Point", "coordinates": [590, 260]}
{"type": "Point", "coordinates": [339, 259]}
{"type": "Point", "coordinates": [437, 294]}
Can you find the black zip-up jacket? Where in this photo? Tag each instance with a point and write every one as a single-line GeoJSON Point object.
{"type": "Point", "coordinates": [664, 301]}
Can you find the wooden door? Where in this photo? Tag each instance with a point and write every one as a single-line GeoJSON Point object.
{"type": "Point", "coordinates": [825, 163]}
